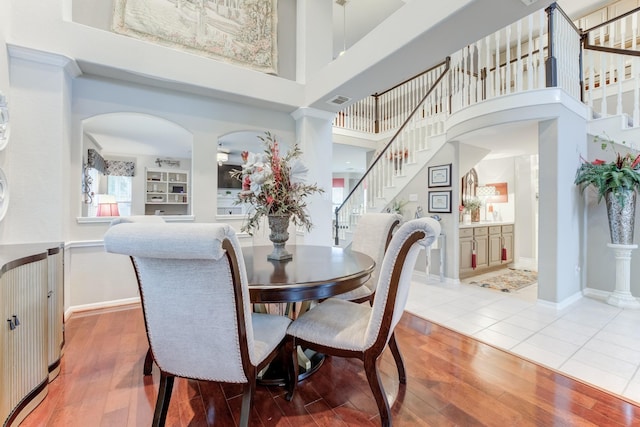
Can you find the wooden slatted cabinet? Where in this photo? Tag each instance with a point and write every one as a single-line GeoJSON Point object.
{"type": "Point", "coordinates": [31, 334]}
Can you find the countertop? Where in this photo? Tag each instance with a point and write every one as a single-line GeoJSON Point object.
{"type": "Point", "coordinates": [12, 256]}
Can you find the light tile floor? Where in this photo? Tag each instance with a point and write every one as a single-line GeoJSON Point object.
{"type": "Point", "coordinates": [589, 340]}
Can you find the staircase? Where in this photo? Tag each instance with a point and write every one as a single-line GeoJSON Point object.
{"type": "Point", "coordinates": [604, 74]}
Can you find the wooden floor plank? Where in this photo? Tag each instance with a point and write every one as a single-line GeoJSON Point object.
{"type": "Point", "coordinates": [452, 380]}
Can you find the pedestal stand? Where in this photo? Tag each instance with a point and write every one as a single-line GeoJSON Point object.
{"type": "Point", "coordinates": [621, 296]}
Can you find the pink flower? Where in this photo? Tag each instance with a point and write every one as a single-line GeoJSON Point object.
{"type": "Point", "coordinates": [598, 162]}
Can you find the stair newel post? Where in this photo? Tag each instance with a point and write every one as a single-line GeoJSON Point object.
{"type": "Point", "coordinates": [376, 112]}
{"type": "Point", "coordinates": [337, 230]}
{"type": "Point", "coordinates": [551, 65]}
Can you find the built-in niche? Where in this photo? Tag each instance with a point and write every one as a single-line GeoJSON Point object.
{"type": "Point", "coordinates": [133, 144]}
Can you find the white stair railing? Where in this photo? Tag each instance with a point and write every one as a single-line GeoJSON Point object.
{"type": "Point", "coordinates": [421, 122]}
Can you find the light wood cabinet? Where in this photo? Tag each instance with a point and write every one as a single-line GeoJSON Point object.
{"type": "Point", "coordinates": [30, 284]}
{"type": "Point", "coordinates": [489, 242]}
{"type": "Point", "coordinates": [507, 243]}
{"type": "Point", "coordinates": [495, 245]}
{"type": "Point", "coordinates": [166, 192]}
{"type": "Point", "coordinates": [466, 250]}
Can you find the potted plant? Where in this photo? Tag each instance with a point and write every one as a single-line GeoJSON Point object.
{"type": "Point", "coordinates": [472, 206]}
{"type": "Point", "coordinates": [617, 182]}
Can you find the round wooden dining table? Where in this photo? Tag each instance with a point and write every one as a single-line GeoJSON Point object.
{"type": "Point", "coordinates": [314, 273]}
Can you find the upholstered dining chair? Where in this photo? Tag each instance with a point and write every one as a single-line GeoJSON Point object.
{"type": "Point", "coordinates": [371, 237]}
{"type": "Point", "coordinates": [193, 286]}
{"type": "Point", "coordinates": [347, 329]}
{"type": "Point", "coordinates": [158, 219]}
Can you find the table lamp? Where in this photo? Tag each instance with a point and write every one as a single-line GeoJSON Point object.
{"type": "Point", "coordinates": [107, 205]}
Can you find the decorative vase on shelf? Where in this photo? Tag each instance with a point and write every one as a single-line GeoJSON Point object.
{"type": "Point", "coordinates": [621, 212]}
{"type": "Point", "coordinates": [466, 218]}
{"type": "Point", "coordinates": [475, 215]}
{"type": "Point", "coordinates": [279, 234]}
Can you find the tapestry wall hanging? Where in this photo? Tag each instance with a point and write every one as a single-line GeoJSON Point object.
{"type": "Point", "coordinates": [241, 32]}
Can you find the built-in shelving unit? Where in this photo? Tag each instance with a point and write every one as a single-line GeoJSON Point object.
{"type": "Point", "coordinates": [167, 192]}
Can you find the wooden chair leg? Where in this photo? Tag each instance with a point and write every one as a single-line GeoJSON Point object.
{"type": "Point", "coordinates": [291, 356]}
{"type": "Point", "coordinates": [164, 396]}
{"type": "Point", "coordinates": [397, 356]}
{"type": "Point", "coordinates": [247, 399]}
{"type": "Point", "coordinates": [148, 363]}
{"type": "Point", "coordinates": [371, 369]}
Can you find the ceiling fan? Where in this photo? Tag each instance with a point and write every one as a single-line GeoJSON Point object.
{"type": "Point", "coordinates": [222, 155]}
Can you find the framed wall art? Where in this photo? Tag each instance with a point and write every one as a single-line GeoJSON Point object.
{"type": "Point", "coordinates": [440, 201]}
{"type": "Point", "coordinates": [440, 176]}
{"type": "Point", "coordinates": [239, 32]}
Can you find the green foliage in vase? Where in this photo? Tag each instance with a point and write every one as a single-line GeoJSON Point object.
{"type": "Point", "coordinates": [618, 176]}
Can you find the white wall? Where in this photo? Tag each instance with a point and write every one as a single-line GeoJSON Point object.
{"type": "Point", "coordinates": [496, 171]}
{"type": "Point", "coordinates": [45, 166]}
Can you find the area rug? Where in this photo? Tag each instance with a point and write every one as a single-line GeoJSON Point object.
{"type": "Point", "coordinates": [510, 281]}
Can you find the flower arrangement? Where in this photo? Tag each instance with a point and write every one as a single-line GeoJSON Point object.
{"type": "Point", "coordinates": [615, 176]}
{"type": "Point", "coordinates": [274, 184]}
{"type": "Point", "coordinates": [471, 204]}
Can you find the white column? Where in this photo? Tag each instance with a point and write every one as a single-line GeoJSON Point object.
{"type": "Point", "coordinates": [315, 138]}
{"type": "Point", "coordinates": [621, 296]}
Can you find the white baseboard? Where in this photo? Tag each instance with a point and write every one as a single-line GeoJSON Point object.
{"type": "Point", "coordinates": [596, 294]}
{"type": "Point", "coordinates": [100, 306]}
{"type": "Point", "coordinates": [562, 304]}
{"type": "Point", "coordinates": [525, 264]}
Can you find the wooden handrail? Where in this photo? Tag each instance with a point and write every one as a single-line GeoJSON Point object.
{"type": "Point", "coordinates": [446, 63]}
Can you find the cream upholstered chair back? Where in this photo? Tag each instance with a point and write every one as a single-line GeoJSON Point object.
{"type": "Point", "coordinates": [371, 237]}
{"type": "Point", "coordinates": [187, 268]}
{"type": "Point", "coordinates": [395, 277]}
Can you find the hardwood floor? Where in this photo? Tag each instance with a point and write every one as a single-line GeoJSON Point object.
{"type": "Point", "coordinates": [452, 380]}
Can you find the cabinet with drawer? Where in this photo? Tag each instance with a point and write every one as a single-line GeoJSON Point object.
{"type": "Point", "coordinates": [484, 247]}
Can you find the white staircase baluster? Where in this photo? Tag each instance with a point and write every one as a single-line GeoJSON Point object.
{"type": "Point", "coordinates": [636, 91]}
{"type": "Point", "coordinates": [519, 68]}
{"type": "Point", "coordinates": [603, 79]}
{"type": "Point", "coordinates": [507, 62]}
{"type": "Point", "coordinates": [541, 44]}
{"type": "Point", "coordinates": [489, 79]}
{"type": "Point", "coordinates": [498, 85]}
{"type": "Point", "coordinates": [620, 74]}
{"type": "Point", "coordinates": [530, 53]}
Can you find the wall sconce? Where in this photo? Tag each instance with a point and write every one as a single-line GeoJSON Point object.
{"type": "Point", "coordinates": [107, 206]}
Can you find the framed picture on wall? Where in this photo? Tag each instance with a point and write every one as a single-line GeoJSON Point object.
{"type": "Point", "coordinates": [440, 176]}
{"type": "Point", "coordinates": [440, 201]}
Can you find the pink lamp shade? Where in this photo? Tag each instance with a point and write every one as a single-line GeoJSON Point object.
{"type": "Point", "coordinates": [107, 206]}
